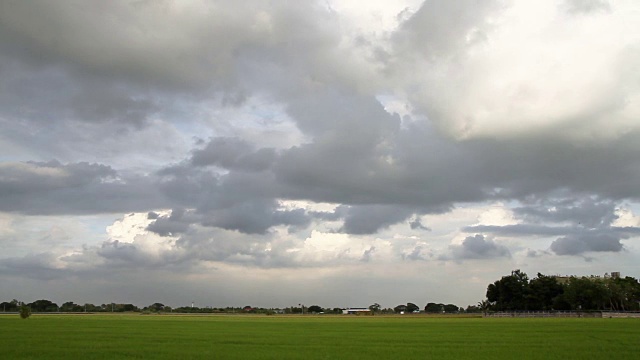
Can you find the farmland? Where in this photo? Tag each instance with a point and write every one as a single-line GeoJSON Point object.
{"type": "Point", "coordinates": [314, 337]}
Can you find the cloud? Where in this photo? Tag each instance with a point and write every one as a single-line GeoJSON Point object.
{"type": "Point", "coordinates": [233, 153]}
{"type": "Point", "coordinates": [478, 247]}
{"type": "Point", "coordinates": [519, 230]}
{"type": "Point", "coordinates": [33, 176]}
{"type": "Point", "coordinates": [170, 44]}
{"type": "Point", "coordinates": [587, 211]}
{"type": "Point", "coordinates": [536, 253]}
{"type": "Point", "coordinates": [175, 223]}
{"type": "Point", "coordinates": [417, 224]}
{"type": "Point", "coordinates": [442, 28]}
{"type": "Point", "coordinates": [577, 244]}
{"type": "Point", "coordinates": [370, 219]}
{"type": "Point", "coordinates": [415, 254]}
{"type": "Point", "coordinates": [40, 266]}
{"type": "Point", "coordinates": [521, 69]}
{"type": "Point", "coordinates": [76, 188]}
{"type": "Point", "coordinates": [255, 217]}
{"type": "Point", "coordinates": [586, 6]}
{"type": "Point", "coordinates": [585, 225]}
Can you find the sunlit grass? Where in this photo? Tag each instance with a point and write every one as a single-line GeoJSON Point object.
{"type": "Point", "coordinates": [314, 337]}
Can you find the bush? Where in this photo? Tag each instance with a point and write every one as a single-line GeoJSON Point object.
{"type": "Point", "coordinates": [25, 311]}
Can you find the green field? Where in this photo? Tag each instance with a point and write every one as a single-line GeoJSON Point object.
{"type": "Point", "coordinates": [314, 337]}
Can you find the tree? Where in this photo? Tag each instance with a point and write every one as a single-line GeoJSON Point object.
{"type": "Point", "coordinates": [411, 307]}
{"type": "Point", "coordinates": [400, 309]}
{"type": "Point", "coordinates": [43, 306]}
{"type": "Point", "coordinates": [314, 309]}
{"type": "Point", "coordinates": [375, 308]}
{"type": "Point", "coordinates": [70, 306]}
{"type": "Point", "coordinates": [624, 293]}
{"type": "Point", "coordinates": [156, 307]}
{"type": "Point", "coordinates": [586, 293]}
{"type": "Point", "coordinates": [434, 308]}
{"type": "Point", "coordinates": [472, 309]}
{"type": "Point", "coordinates": [25, 311]}
{"type": "Point", "coordinates": [128, 307]}
{"type": "Point", "coordinates": [543, 291]}
{"type": "Point", "coordinates": [10, 306]}
{"type": "Point", "coordinates": [484, 305]}
{"type": "Point", "coordinates": [451, 308]}
{"type": "Point", "coordinates": [510, 292]}
{"type": "Point", "coordinates": [92, 308]}
{"type": "Point", "coordinates": [516, 292]}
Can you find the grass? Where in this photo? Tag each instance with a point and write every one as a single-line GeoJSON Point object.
{"type": "Point", "coordinates": [314, 337]}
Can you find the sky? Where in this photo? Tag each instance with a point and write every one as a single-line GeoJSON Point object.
{"type": "Point", "coordinates": [336, 152]}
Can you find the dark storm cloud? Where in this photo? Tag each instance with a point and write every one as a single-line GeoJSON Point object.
{"type": "Point", "coordinates": [177, 222]}
{"type": "Point", "coordinates": [50, 95]}
{"type": "Point", "coordinates": [240, 200]}
{"type": "Point", "coordinates": [417, 224]}
{"type": "Point", "coordinates": [80, 188]}
{"type": "Point", "coordinates": [175, 47]}
{"type": "Point", "coordinates": [369, 219]}
{"type": "Point", "coordinates": [574, 241]}
{"type": "Point", "coordinates": [346, 161]}
{"type": "Point", "coordinates": [116, 254]}
{"type": "Point", "coordinates": [584, 224]}
{"type": "Point", "coordinates": [221, 245]}
{"type": "Point", "coordinates": [187, 187]}
{"type": "Point", "coordinates": [28, 177]}
{"type": "Point", "coordinates": [60, 98]}
{"type": "Point", "coordinates": [122, 253]}
{"type": "Point", "coordinates": [39, 266]}
{"type": "Point", "coordinates": [143, 47]}
{"type": "Point", "coordinates": [338, 213]}
{"type": "Point", "coordinates": [254, 217]}
{"type": "Point", "coordinates": [596, 241]}
{"type": "Point", "coordinates": [478, 247]}
{"type": "Point", "coordinates": [68, 69]}
{"type": "Point", "coordinates": [233, 154]}
{"type": "Point", "coordinates": [587, 211]}
{"type": "Point", "coordinates": [536, 166]}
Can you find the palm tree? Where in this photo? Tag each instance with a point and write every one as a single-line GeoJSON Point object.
{"type": "Point", "coordinates": [484, 305]}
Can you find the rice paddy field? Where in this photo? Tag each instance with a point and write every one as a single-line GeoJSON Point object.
{"type": "Point", "coordinates": [314, 337]}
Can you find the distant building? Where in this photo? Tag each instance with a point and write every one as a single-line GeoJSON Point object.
{"type": "Point", "coordinates": [564, 279]}
{"type": "Point", "coordinates": [355, 310]}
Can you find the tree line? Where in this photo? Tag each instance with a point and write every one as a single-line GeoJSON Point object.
{"type": "Point", "coordinates": [44, 305]}
{"type": "Point", "coordinates": [516, 292]}
{"type": "Point", "coordinates": [47, 306]}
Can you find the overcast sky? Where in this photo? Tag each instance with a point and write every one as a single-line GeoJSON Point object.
{"type": "Point", "coordinates": [339, 153]}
